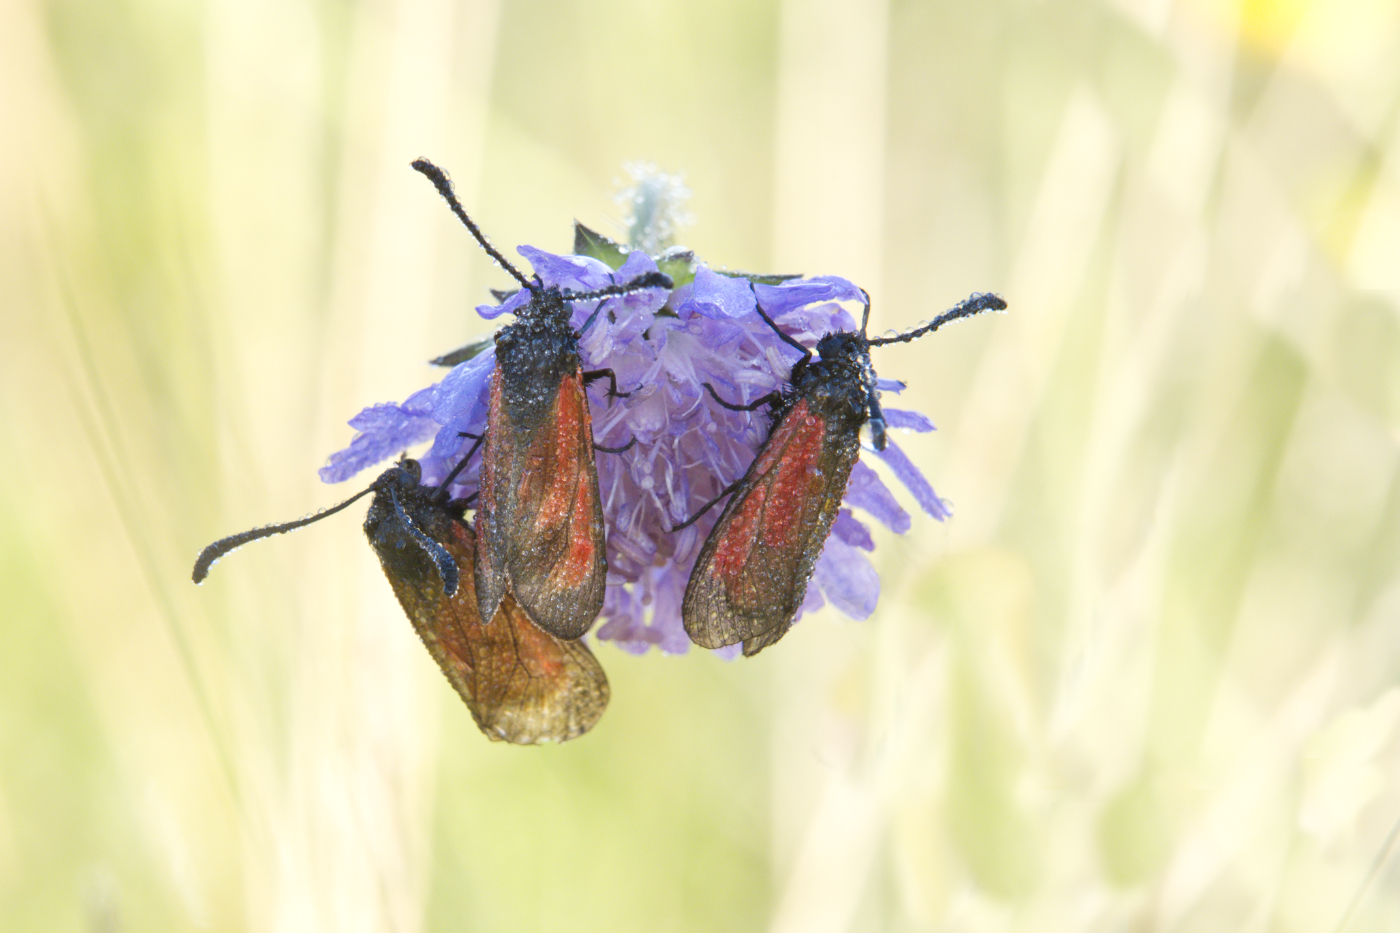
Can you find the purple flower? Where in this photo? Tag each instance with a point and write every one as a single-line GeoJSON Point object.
{"type": "Point", "coordinates": [663, 347]}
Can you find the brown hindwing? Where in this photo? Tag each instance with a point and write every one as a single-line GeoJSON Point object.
{"type": "Point", "coordinates": [521, 684]}
{"type": "Point", "coordinates": [752, 572]}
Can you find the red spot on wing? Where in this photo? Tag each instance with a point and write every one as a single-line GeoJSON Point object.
{"type": "Point", "coordinates": [556, 460]}
{"type": "Point", "coordinates": [577, 564]}
{"type": "Point", "coordinates": [793, 478]}
{"type": "Point", "coordinates": [732, 550]}
{"type": "Point", "coordinates": [773, 507]}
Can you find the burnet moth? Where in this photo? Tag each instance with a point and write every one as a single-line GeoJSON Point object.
{"type": "Point", "coordinates": [521, 684]}
{"type": "Point", "coordinates": [751, 575]}
{"type": "Point", "coordinates": [539, 520]}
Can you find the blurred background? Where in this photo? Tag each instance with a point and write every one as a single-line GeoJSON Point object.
{"type": "Point", "coordinates": [1146, 679]}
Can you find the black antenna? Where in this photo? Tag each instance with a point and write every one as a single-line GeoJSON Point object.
{"type": "Point", "coordinates": [444, 186]}
{"type": "Point", "coordinates": [219, 548]}
{"type": "Point", "coordinates": [649, 280]}
{"type": "Point", "coordinates": [975, 304]}
{"type": "Point", "coordinates": [441, 557]}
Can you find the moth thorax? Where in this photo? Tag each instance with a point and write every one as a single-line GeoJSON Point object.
{"type": "Point", "coordinates": [547, 307]}
{"type": "Point", "coordinates": [537, 346]}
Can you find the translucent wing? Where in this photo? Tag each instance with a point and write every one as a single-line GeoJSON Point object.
{"type": "Point", "coordinates": [752, 572]}
{"type": "Point", "coordinates": [521, 684]}
{"type": "Point", "coordinates": [539, 517]}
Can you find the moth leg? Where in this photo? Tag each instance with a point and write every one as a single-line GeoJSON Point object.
{"type": "Point", "coordinates": [461, 465]}
{"type": "Point", "coordinates": [707, 506]}
{"type": "Point", "coordinates": [769, 399]}
{"type": "Point", "coordinates": [593, 375]}
{"type": "Point", "coordinates": [786, 338]}
{"type": "Point", "coordinates": [616, 450]}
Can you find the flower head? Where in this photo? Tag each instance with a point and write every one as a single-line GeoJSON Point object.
{"type": "Point", "coordinates": [663, 348]}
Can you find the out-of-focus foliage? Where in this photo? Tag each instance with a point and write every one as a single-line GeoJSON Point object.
{"type": "Point", "coordinates": [1145, 679]}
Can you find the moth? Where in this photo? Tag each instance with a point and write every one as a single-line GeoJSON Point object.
{"type": "Point", "coordinates": [751, 575]}
{"type": "Point", "coordinates": [539, 521]}
{"type": "Point", "coordinates": [522, 685]}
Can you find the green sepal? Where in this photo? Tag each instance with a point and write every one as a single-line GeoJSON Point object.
{"type": "Point", "coordinates": [462, 354]}
{"type": "Point", "coordinates": [679, 263]}
{"type": "Point", "coordinates": [758, 278]}
{"type": "Point", "coordinates": [592, 243]}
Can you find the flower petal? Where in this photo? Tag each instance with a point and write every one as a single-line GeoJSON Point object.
{"type": "Point", "coordinates": [852, 531]}
{"type": "Point", "coordinates": [847, 579]}
{"type": "Point", "coordinates": [866, 491]}
{"type": "Point", "coordinates": [460, 399]}
{"type": "Point", "coordinates": [798, 293]}
{"type": "Point", "coordinates": [910, 476]}
{"type": "Point", "coordinates": [511, 305]}
{"type": "Point", "coordinates": [385, 431]}
{"type": "Point", "coordinates": [638, 263]}
{"type": "Point", "coordinates": [718, 296]}
{"type": "Point", "coordinates": [909, 420]}
{"type": "Point", "coordinates": [579, 273]}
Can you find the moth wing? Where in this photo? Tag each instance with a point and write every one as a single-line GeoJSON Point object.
{"type": "Point", "coordinates": [530, 686]}
{"type": "Point", "coordinates": [549, 534]}
{"type": "Point", "coordinates": [493, 499]}
{"type": "Point", "coordinates": [521, 684]}
{"type": "Point", "coordinates": [751, 575]}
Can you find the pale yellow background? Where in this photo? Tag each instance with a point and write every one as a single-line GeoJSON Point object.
{"type": "Point", "coordinates": [1145, 680]}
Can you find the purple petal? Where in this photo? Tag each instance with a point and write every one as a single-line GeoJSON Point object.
{"type": "Point", "coordinates": [385, 430]}
{"type": "Point", "coordinates": [658, 594]}
{"type": "Point", "coordinates": [798, 293]}
{"type": "Point", "coordinates": [580, 273]}
{"type": "Point", "coordinates": [448, 444]}
{"type": "Point", "coordinates": [910, 476]}
{"type": "Point", "coordinates": [852, 531]}
{"type": "Point", "coordinates": [847, 579]}
{"type": "Point", "coordinates": [638, 264]}
{"type": "Point", "coordinates": [866, 491]}
{"type": "Point", "coordinates": [718, 296]}
{"type": "Point", "coordinates": [909, 420]}
{"type": "Point", "coordinates": [460, 398]}
{"type": "Point", "coordinates": [889, 385]}
{"type": "Point", "coordinates": [511, 305]}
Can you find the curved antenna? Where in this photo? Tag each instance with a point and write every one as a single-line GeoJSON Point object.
{"type": "Point", "coordinates": [219, 548]}
{"type": "Point", "coordinates": [444, 186]}
{"type": "Point", "coordinates": [865, 315]}
{"type": "Point", "coordinates": [446, 566]}
{"type": "Point", "coordinates": [649, 280]}
{"type": "Point", "coordinates": [975, 304]}
{"type": "Point", "coordinates": [640, 283]}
